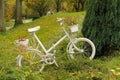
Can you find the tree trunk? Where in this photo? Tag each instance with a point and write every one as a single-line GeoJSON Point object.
{"type": "Point", "coordinates": [82, 5]}
{"type": "Point", "coordinates": [58, 5]}
{"type": "Point", "coordinates": [78, 6]}
{"type": "Point", "coordinates": [18, 16]}
{"type": "Point", "coordinates": [2, 27]}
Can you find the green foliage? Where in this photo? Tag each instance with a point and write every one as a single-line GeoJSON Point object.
{"type": "Point", "coordinates": [102, 25]}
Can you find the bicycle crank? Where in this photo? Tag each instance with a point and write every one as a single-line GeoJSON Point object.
{"type": "Point", "coordinates": [49, 59]}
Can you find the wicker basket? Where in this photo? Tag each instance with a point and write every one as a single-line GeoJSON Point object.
{"type": "Point", "coordinates": [74, 28]}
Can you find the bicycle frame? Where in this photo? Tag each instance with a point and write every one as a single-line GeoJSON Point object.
{"type": "Point", "coordinates": [57, 43]}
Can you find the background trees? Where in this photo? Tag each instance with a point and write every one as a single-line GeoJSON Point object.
{"type": "Point", "coordinates": [9, 9]}
{"type": "Point", "coordinates": [79, 5]}
{"type": "Point", "coordinates": [33, 8]}
{"type": "Point", "coordinates": [102, 25]}
{"type": "Point", "coordinates": [40, 7]}
{"type": "Point", "coordinates": [58, 4]}
{"type": "Point", "coordinates": [2, 28]}
{"type": "Point", "coordinates": [17, 9]}
{"type": "Point", "coordinates": [18, 15]}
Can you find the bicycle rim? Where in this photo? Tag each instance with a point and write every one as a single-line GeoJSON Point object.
{"type": "Point", "coordinates": [85, 46]}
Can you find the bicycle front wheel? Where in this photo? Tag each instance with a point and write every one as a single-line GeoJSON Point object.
{"type": "Point", "coordinates": [82, 46]}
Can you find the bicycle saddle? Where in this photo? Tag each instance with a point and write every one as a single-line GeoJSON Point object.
{"type": "Point", "coordinates": [34, 29]}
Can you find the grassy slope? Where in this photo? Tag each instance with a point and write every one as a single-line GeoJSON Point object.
{"type": "Point", "coordinates": [49, 33]}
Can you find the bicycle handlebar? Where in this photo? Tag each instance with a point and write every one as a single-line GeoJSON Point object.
{"type": "Point", "coordinates": [60, 19]}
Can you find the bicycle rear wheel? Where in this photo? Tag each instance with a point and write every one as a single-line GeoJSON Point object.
{"type": "Point", "coordinates": [85, 47]}
{"type": "Point", "coordinates": [29, 59]}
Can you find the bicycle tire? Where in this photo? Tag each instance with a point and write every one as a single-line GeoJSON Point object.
{"type": "Point", "coordinates": [81, 43]}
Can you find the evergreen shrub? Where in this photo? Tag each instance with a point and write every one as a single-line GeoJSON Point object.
{"type": "Point", "coordinates": [102, 25]}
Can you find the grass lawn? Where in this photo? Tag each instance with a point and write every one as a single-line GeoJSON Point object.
{"type": "Point", "coordinates": [102, 68]}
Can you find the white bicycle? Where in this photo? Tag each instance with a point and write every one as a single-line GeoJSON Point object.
{"type": "Point", "coordinates": [76, 47]}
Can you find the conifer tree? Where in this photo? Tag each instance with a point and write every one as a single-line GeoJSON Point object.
{"type": "Point", "coordinates": [102, 25]}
